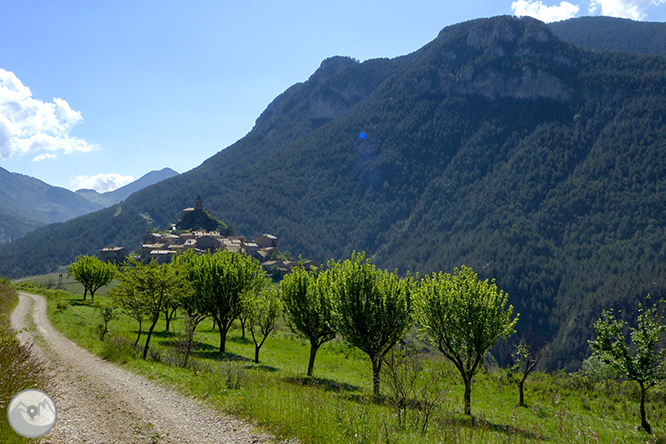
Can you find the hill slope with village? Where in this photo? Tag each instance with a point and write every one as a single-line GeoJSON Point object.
{"type": "Point", "coordinates": [498, 145]}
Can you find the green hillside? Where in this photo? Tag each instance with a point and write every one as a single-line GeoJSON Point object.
{"type": "Point", "coordinates": [497, 145]}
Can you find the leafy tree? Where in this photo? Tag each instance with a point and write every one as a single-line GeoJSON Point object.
{"type": "Point", "coordinates": [640, 361]}
{"type": "Point", "coordinates": [308, 307]}
{"type": "Point", "coordinates": [92, 273]}
{"type": "Point", "coordinates": [130, 302]}
{"type": "Point", "coordinates": [373, 308]}
{"type": "Point", "coordinates": [192, 301]}
{"type": "Point", "coordinates": [463, 317]}
{"type": "Point", "coordinates": [263, 308]}
{"type": "Point", "coordinates": [155, 285]}
{"type": "Point", "coordinates": [221, 279]}
{"type": "Point", "coordinates": [108, 311]}
{"type": "Point", "coordinates": [526, 361]}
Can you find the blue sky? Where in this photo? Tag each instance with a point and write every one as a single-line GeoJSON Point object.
{"type": "Point", "coordinates": [95, 94]}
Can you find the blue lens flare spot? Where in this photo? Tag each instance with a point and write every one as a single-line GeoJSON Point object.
{"type": "Point", "coordinates": [362, 135]}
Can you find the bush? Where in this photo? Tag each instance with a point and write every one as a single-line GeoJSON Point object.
{"type": "Point", "coordinates": [118, 349]}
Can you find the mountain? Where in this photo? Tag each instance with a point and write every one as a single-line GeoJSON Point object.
{"type": "Point", "coordinates": [27, 203]}
{"type": "Point", "coordinates": [113, 197]}
{"type": "Point", "coordinates": [613, 34]}
{"type": "Point", "coordinates": [498, 145]}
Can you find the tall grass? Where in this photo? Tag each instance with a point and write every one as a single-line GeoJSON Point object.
{"type": "Point", "coordinates": [19, 368]}
{"type": "Point", "coordinates": [336, 406]}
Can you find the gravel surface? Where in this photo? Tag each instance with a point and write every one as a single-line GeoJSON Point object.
{"type": "Point", "coordinates": [99, 402]}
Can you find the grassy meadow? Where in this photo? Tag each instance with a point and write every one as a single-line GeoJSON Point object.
{"type": "Point", "coordinates": [336, 405]}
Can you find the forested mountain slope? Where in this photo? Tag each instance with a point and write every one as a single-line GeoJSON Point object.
{"type": "Point", "coordinates": [498, 146]}
{"type": "Point", "coordinates": [613, 34]}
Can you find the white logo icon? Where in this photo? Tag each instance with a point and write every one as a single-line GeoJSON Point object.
{"type": "Point", "coordinates": [32, 413]}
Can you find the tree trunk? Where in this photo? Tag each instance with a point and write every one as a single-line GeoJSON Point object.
{"type": "Point", "coordinates": [376, 374]}
{"type": "Point", "coordinates": [256, 353]}
{"type": "Point", "coordinates": [85, 293]}
{"type": "Point", "coordinates": [168, 319]}
{"type": "Point", "coordinates": [313, 353]}
{"type": "Point", "coordinates": [242, 323]}
{"type": "Point", "coordinates": [223, 337]}
{"type": "Point", "coordinates": [138, 336]}
{"type": "Point", "coordinates": [644, 423]}
{"type": "Point", "coordinates": [150, 332]}
{"type": "Point", "coordinates": [468, 396]}
{"type": "Point", "coordinates": [521, 392]}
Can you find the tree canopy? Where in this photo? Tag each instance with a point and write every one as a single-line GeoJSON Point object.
{"type": "Point", "coordinates": [463, 317]}
{"type": "Point", "coordinates": [92, 273]}
{"type": "Point", "coordinates": [307, 298]}
{"type": "Point", "coordinates": [637, 352]}
{"type": "Point", "coordinates": [373, 308]}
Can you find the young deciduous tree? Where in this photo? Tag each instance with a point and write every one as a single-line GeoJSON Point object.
{"type": "Point", "coordinates": [193, 300]}
{"type": "Point", "coordinates": [526, 361]}
{"type": "Point", "coordinates": [463, 317]}
{"type": "Point", "coordinates": [108, 311]}
{"type": "Point", "coordinates": [222, 278]}
{"type": "Point", "coordinates": [373, 308]}
{"type": "Point", "coordinates": [308, 308]}
{"type": "Point", "coordinates": [155, 285]}
{"type": "Point", "coordinates": [92, 273]}
{"type": "Point", "coordinates": [263, 308]}
{"type": "Point", "coordinates": [131, 303]}
{"type": "Point", "coordinates": [642, 361]}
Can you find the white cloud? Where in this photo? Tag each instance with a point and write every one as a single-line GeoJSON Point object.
{"type": "Point", "coordinates": [31, 127]}
{"type": "Point", "coordinates": [631, 9]}
{"type": "Point", "coordinates": [101, 182]}
{"type": "Point", "coordinates": [542, 12]}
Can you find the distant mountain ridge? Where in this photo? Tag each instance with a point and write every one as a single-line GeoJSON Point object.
{"type": "Point", "coordinates": [118, 195]}
{"type": "Point", "coordinates": [27, 203]}
{"type": "Point", "coordinates": [498, 145]}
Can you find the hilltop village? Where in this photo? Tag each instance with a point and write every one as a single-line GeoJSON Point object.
{"type": "Point", "coordinates": [199, 231]}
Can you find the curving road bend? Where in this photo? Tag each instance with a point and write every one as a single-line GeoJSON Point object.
{"type": "Point", "coordinates": [99, 402]}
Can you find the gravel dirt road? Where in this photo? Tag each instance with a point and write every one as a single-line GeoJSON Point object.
{"type": "Point", "coordinates": [99, 402]}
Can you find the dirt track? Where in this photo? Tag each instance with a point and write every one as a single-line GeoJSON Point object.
{"type": "Point", "coordinates": [99, 402]}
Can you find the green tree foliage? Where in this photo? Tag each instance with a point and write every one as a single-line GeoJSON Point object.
{"type": "Point", "coordinates": [463, 317]}
{"type": "Point", "coordinates": [263, 308]}
{"type": "Point", "coordinates": [156, 286]}
{"type": "Point", "coordinates": [108, 311]}
{"type": "Point", "coordinates": [527, 360]}
{"type": "Point", "coordinates": [221, 279]}
{"type": "Point", "coordinates": [92, 273]}
{"type": "Point", "coordinates": [373, 308]}
{"type": "Point", "coordinates": [308, 307]}
{"type": "Point", "coordinates": [131, 303]}
{"type": "Point", "coordinates": [193, 301]}
{"type": "Point", "coordinates": [644, 359]}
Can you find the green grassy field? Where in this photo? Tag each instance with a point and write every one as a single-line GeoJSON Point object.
{"type": "Point", "coordinates": [336, 405]}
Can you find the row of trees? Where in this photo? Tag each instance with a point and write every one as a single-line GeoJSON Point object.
{"type": "Point", "coordinates": [371, 309]}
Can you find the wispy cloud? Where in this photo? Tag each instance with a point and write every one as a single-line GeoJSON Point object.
{"type": "Point", "coordinates": [101, 182]}
{"type": "Point", "coordinates": [31, 127]}
{"type": "Point", "coordinates": [631, 9]}
{"type": "Point", "coordinates": [538, 10]}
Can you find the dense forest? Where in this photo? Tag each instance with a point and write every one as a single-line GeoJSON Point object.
{"type": "Point", "coordinates": [498, 146]}
{"type": "Point", "coordinates": [613, 34]}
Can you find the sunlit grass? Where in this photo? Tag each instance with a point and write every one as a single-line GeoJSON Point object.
{"type": "Point", "coordinates": [336, 405]}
